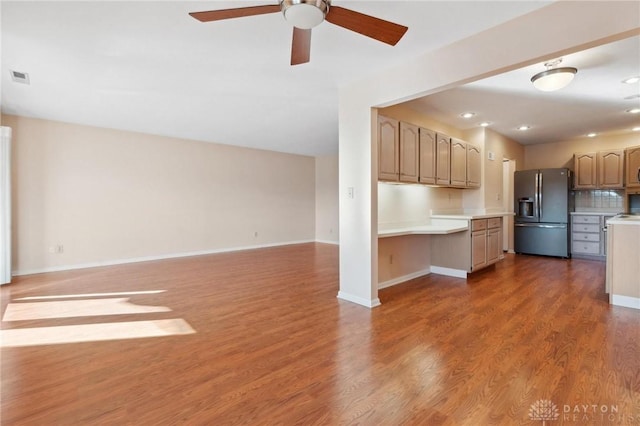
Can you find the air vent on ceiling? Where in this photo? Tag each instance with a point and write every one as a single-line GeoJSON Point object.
{"type": "Point", "coordinates": [20, 77]}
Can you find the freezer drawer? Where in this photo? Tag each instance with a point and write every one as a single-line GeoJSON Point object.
{"type": "Point", "coordinates": [543, 239]}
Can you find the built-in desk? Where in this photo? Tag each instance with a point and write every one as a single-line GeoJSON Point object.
{"type": "Point", "coordinates": [449, 244]}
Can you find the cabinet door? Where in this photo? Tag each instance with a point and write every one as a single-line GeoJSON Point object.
{"type": "Point", "coordinates": [443, 159]}
{"type": "Point", "coordinates": [474, 166]}
{"type": "Point", "coordinates": [427, 156]}
{"type": "Point", "coordinates": [611, 169]}
{"type": "Point", "coordinates": [458, 163]}
{"type": "Point", "coordinates": [585, 170]}
{"type": "Point", "coordinates": [493, 245]}
{"type": "Point", "coordinates": [633, 166]}
{"type": "Point", "coordinates": [409, 142]}
{"type": "Point", "coordinates": [388, 149]}
{"type": "Point", "coordinates": [478, 249]}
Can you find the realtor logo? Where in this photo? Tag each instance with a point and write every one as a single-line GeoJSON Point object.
{"type": "Point", "coordinates": [544, 410]}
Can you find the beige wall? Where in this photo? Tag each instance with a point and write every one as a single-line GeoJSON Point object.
{"type": "Point", "coordinates": [327, 226]}
{"type": "Point", "coordinates": [560, 154]}
{"type": "Point", "coordinates": [108, 196]}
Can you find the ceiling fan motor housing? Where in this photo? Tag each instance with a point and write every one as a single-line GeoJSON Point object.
{"type": "Point", "coordinates": [305, 14]}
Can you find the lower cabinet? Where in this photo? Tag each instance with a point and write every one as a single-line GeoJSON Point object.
{"type": "Point", "coordinates": [588, 236]}
{"type": "Point", "coordinates": [470, 250]}
{"type": "Point", "coordinates": [486, 239]}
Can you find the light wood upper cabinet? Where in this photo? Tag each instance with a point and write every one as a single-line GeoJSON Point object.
{"type": "Point", "coordinates": [443, 159]}
{"type": "Point", "coordinates": [409, 152]}
{"type": "Point", "coordinates": [458, 163]}
{"type": "Point", "coordinates": [633, 166]}
{"type": "Point", "coordinates": [427, 156]}
{"type": "Point", "coordinates": [388, 149]}
{"type": "Point", "coordinates": [585, 170]}
{"type": "Point", "coordinates": [611, 169]}
{"type": "Point", "coordinates": [474, 166]}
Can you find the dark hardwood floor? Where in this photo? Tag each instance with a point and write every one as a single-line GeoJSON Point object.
{"type": "Point", "coordinates": [274, 346]}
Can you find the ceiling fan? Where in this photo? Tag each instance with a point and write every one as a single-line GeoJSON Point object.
{"type": "Point", "coordinates": [306, 14]}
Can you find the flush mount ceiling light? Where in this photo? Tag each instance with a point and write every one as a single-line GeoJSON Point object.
{"type": "Point", "coordinates": [636, 129]}
{"type": "Point", "coordinates": [485, 123]}
{"type": "Point", "coordinates": [467, 114]}
{"type": "Point", "coordinates": [592, 135]}
{"type": "Point", "coordinates": [523, 128]}
{"type": "Point", "coordinates": [631, 80]}
{"type": "Point", "coordinates": [633, 110]}
{"type": "Point", "coordinates": [553, 78]}
{"type": "Point", "coordinates": [304, 14]}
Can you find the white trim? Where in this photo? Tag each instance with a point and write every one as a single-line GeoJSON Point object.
{"type": "Point", "coordinates": [150, 258]}
{"type": "Point", "coordinates": [335, 243]}
{"type": "Point", "coordinates": [626, 301]}
{"type": "Point", "coordinates": [359, 300]}
{"type": "Point", "coordinates": [458, 273]}
{"type": "Point", "coordinates": [403, 278]}
{"type": "Point", "coordinates": [510, 251]}
{"type": "Point", "coordinates": [5, 205]}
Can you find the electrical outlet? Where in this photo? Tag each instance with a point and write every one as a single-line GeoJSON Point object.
{"type": "Point", "coordinates": [351, 192]}
{"type": "Point", "coordinates": [59, 248]}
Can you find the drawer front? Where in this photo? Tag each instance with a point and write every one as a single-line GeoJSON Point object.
{"type": "Point", "coordinates": [586, 247]}
{"type": "Point", "coordinates": [585, 219]}
{"type": "Point", "coordinates": [579, 236]}
{"type": "Point", "coordinates": [579, 227]}
{"type": "Point", "coordinates": [494, 222]}
{"type": "Point", "coordinates": [478, 224]}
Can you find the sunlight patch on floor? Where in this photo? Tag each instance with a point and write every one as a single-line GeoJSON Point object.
{"type": "Point", "coordinates": [72, 296]}
{"type": "Point", "coordinates": [93, 332]}
{"type": "Point", "coordinates": [75, 308]}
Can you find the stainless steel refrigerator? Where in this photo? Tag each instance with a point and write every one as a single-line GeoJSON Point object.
{"type": "Point", "coordinates": [542, 205]}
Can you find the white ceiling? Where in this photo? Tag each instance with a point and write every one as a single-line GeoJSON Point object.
{"type": "Point", "coordinates": [595, 101]}
{"type": "Point", "coordinates": [149, 67]}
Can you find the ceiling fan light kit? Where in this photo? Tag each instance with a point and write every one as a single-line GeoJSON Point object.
{"type": "Point", "coordinates": [554, 77]}
{"type": "Point", "coordinates": [306, 14]}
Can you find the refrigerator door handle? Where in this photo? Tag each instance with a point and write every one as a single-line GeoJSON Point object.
{"type": "Point", "coordinates": [541, 225]}
{"type": "Point", "coordinates": [540, 198]}
{"type": "Point", "coordinates": [536, 207]}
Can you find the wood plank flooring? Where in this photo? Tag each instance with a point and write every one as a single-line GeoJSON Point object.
{"type": "Point", "coordinates": [274, 346]}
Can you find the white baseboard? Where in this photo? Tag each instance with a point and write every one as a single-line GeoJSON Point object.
{"type": "Point", "coordinates": [335, 243]}
{"type": "Point", "coordinates": [403, 278]}
{"type": "Point", "coordinates": [150, 258]}
{"type": "Point", "coordinates": [626, 301]}
{"type": "Point", "coordinates": [458, 273]}
{"type": "Point", "coordinates": [359, 300]}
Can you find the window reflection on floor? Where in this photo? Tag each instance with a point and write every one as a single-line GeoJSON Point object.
{"type": "Point", "coordinates": [85, 305]}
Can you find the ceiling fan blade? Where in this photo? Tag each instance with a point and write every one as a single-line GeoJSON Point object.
{"type": "Point", "coordinates": [300, 46]}
{"type": "Point", "coordinates": [217, 15]}
{"type": "Point", "coordinates": [379, 29]}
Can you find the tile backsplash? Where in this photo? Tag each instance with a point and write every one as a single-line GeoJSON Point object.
{"type": "Point", "coordinates": [599, 200]}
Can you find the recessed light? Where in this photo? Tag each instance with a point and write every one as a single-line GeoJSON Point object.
{"type": "Point", "coordinates": [485, 123]}
{"type": "Point", "coordinates": [636, 129]}
{"type": "Point", "coordinates": [523, 128]}
{"type": "Point", "coordinates": [631, 80]}
{"type": "Point", "coordinates": [467, 114]}
{"type": "Point", "coordinates": [591, 135]}
{"type": "Point", "coordinates": [633, 110]}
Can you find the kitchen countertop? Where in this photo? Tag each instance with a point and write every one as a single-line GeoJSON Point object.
{"type": "Point", "coordinates": [594, 213]}
{"type": "Point", "coordinates": [437, 227]}
{"type": "Point", "coordinates": [470, 216]}
{"type": "Point", "coordinates": [624, 220]}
